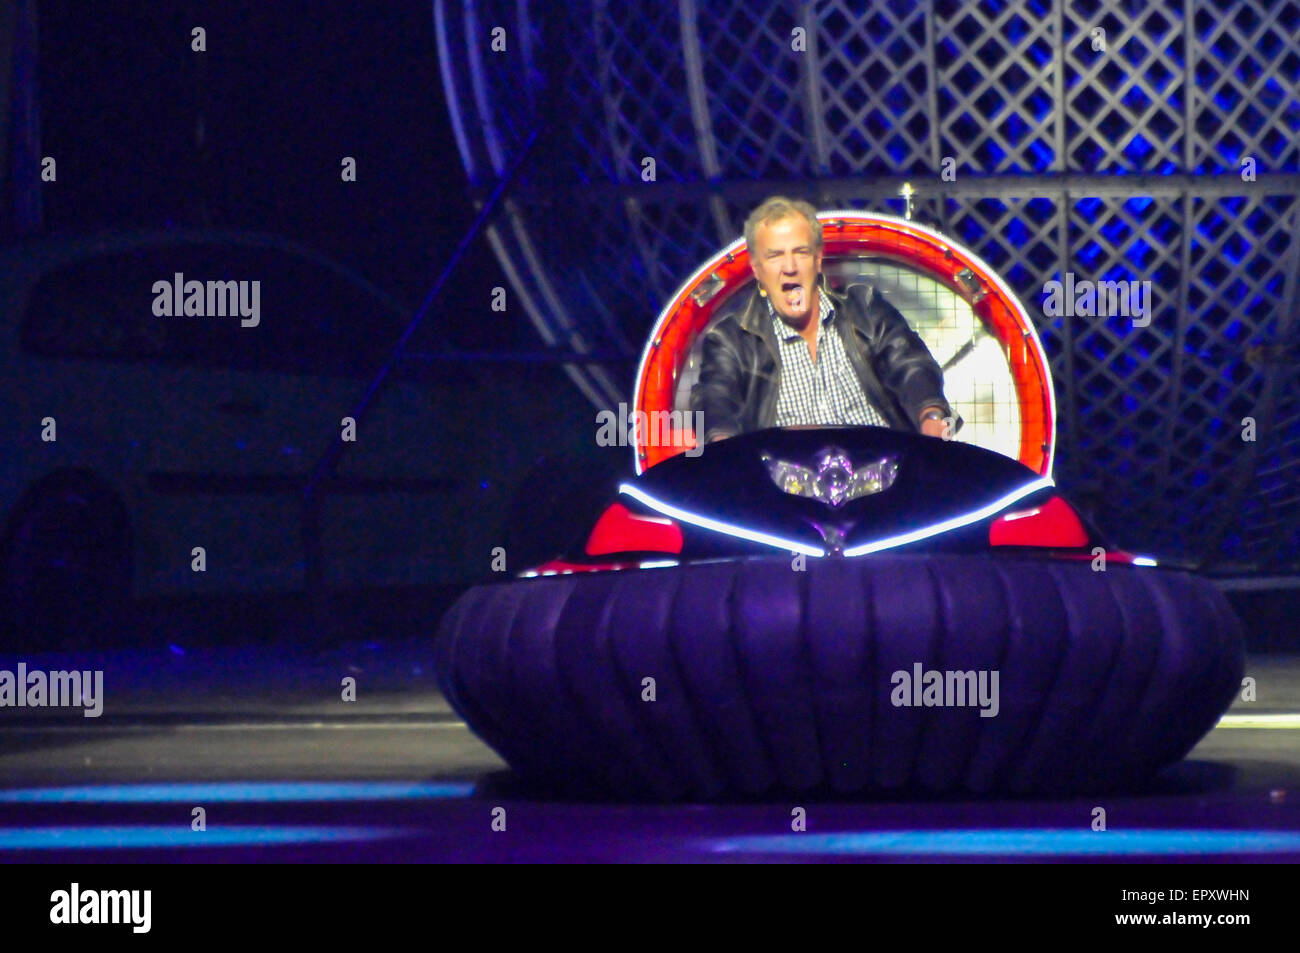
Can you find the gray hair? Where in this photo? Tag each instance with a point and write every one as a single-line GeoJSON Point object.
{"type": "Point", "coordinates": [778, 207]}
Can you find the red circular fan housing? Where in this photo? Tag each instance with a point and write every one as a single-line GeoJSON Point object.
{"type": "Point", "coordinates": [849, 234]}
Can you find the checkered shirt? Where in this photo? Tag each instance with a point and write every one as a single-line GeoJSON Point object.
{"type": "Point", "coordinates": [825, 393]}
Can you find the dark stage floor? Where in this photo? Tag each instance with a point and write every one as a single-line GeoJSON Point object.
{"type": "Point", "coordinates": [284, 769]}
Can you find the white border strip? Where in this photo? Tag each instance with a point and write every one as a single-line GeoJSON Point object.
{"type": "Point", "coordinates": [1279, 720]}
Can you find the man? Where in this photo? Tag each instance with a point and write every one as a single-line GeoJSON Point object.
{"type": "Point", "coordinates": [799, 354]}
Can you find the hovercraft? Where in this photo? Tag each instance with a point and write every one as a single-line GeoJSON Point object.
{"type": "Point", "coordinates": [847, 610]}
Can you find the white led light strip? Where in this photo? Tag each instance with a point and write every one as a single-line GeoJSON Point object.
{"type": "Point", "coordinates": [730, 529]}
{"type": "Point", "coordinates": [717, 525]}
{"type": "Point", "coordinates": [984, 512]}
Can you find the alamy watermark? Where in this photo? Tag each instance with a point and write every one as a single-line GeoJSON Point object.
{"type": "Point", "coordinates": [208, 299]}
{"type": "Point", "coordinates": [659, 428]}
{"type": "Point", "coordinates": [75, 905]}
{"type": "Point", "coordinates": [58, 689]}
{"type": "Point", "coordinates": [946, 689]}
{"type": "Point", "coordinates": [1072, 298]}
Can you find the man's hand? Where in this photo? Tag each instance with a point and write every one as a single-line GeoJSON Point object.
{"type": "Point", "coordinates": [933, 426]}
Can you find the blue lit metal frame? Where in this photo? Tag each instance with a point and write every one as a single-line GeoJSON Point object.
{"type": "Point", "coordinates": [473, 105]}
{"type": "Point", "coordinates": [1114, 198]}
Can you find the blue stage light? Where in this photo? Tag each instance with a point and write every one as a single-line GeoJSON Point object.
{"type": "Point", "coordinates": [123, 837]}
{"type": "Point", "coordinates": [1018, 842]}
{"type": "Point", "coordinates": [239, 792]}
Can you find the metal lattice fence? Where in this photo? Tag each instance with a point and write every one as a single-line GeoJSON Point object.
{"type": "Point", "coordinates": [1134, 141]}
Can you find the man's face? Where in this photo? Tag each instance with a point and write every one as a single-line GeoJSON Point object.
{"type": "Point", "coordinates": [786, 265]}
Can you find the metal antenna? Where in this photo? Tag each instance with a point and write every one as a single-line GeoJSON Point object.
{"type": "Point", "coordinates": [907, 192]}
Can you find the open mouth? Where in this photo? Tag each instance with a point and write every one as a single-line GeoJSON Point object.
{"type": "Point", "coordinates": [794, 294]}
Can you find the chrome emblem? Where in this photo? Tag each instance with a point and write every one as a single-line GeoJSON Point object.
{"type": "Point", "coordinates": [834, 481]}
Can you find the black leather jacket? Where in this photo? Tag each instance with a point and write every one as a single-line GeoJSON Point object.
{"type": "Point", "coordinates": [740, 371]}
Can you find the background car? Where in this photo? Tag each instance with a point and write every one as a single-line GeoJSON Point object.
{"type": "Point", "coordinates": [176, 432]}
